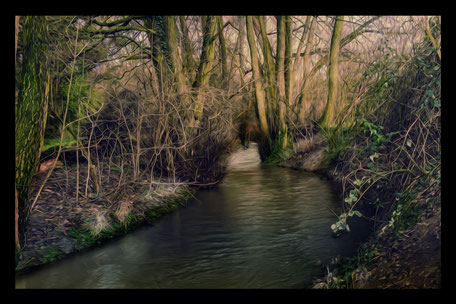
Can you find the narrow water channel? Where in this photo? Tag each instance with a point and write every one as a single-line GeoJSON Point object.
{"type": "Point", "coordinates": [262, 227]}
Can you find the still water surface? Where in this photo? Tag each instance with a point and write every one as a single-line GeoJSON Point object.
{"type": "Point", "coordinates": [262, 227]}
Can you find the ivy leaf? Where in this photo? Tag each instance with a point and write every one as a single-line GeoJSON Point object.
{"type": "Point", "coordinates": [350, 200]}
{"type": "Point", "coordinates": [374, 156]}
{"type": "Point", "coordinates": [357, 213]}
{"type": "Point", "coordinates": [357, 182]}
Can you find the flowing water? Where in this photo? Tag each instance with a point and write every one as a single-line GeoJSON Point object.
{"type": "Point", "coordinates": [262, 227]}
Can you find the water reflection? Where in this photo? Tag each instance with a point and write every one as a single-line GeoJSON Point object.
{"type": "Point", "coordinates": [262, 227]}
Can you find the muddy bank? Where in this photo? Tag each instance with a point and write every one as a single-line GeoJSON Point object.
{"type": "Point", "coordinates": [60, 225]}
{"type": "Point", "coordinates": [409, 260]}
{"type": "Point", "coordinates": [308, 154]}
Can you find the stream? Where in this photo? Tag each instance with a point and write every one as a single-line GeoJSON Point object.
{"type": "Point", "coordinates": [261, 227]}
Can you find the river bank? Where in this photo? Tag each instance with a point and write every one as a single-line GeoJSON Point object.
{"type": "Point", "coordinates": [404, 251]}
{"type": "Point", "coordinates": [60, 225]}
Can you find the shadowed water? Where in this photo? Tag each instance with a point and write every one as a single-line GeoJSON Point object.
{"type": "Point", "coordinates": [262, 227]}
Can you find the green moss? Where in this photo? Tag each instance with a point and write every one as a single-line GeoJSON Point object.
{"type": "Point", "coordinates": [97, 230]}
{"type": "Point", "coordinates": [87, 238]}
{"type": "Point", "coordinates": [277, 153]}
{"type": "Point", "coordinates": [53, 254]}
{"type": "Point", "coordinates": [50, 143]}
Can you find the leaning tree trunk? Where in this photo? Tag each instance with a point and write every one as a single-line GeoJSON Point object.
{"type": "Point", "coordinates": [333, 73]}
{"type": "Point", "coordinates": [31, 109]}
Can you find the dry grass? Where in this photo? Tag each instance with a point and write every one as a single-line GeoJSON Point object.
{"type": "Point", "coordinates": [98, 224]}
{"type": "Point", "coordinates": [308, 144]}
{"type": "Point", "coordinates": [123, 210]}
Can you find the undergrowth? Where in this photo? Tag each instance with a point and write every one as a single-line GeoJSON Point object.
{"type": "Point", "coordinates": [388, 161]}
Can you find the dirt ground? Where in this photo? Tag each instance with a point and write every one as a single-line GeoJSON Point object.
{"type": "Point", "coordinates": [411, 260]}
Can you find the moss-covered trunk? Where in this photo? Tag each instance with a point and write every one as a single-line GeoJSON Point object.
{"type": "Point", "coordinates": [172, 54]}
{"type": "Point", "coordinates": [187, 51]}
{"type": "Point", "coordinates": [264, 147]}
{"type": "Point", "coordinates": [281, 85]}
{"type": "Point", "coordinates": [206, 61]}
{"type": "Point", "coordinates": [30, 110]}
{"type": "Point", "coordinates": [149, 23]}
{"type": "Point", "coordinates": [269, 72]}
{"type": "Point", "coordinates": [288, 58]}
{"type": "Point", "coordinates": [333, 73]}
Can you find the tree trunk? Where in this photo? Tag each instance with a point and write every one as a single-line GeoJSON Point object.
{"type": "Point", "coordinates": [281, 86]}
{"type": "Point", "coordinates": [240, 48]}
{"type": "Point", "coordinates": [240, 53]}
{"type": "Point", "coordinates": [171, 52]}
{"type": "Point", "coordinates": [269, 74]}
{"type": "Point", "coordinates": [222, 46]}
{"type": "Point", "coordinates": [16, 212]}
{"type": "Point", "coordinates": [333, 73]}
{"type": "Point", "coordinates": [189, 62]}
{"type": "Point", "coordinates": [305, 64]}
{"type": "Point", "coordinates": [259, 90]}
{"type": "Point", "coordinates": [206, 61]}
{"type": "Point", "coordinates": [30, 111]}
{"type": "Point", "coordinates": [288, 58]}
{"type": "Point", "coordinates": [16, 219]}
{"type": "Point", "coordinates": [346, 40]}
{"type": "Point", "coordinates": [155, 52]}
{"type": "Point", "coordinates": [169, 24]}
{"type": "Point", "coordinates": [257, 31]}
{"type": "Point", "coordinates": [154, 43]}
{"type": "Point", "coordinates": [16, 27]}
{"type": "Point", "coordinates": [301, 42]}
